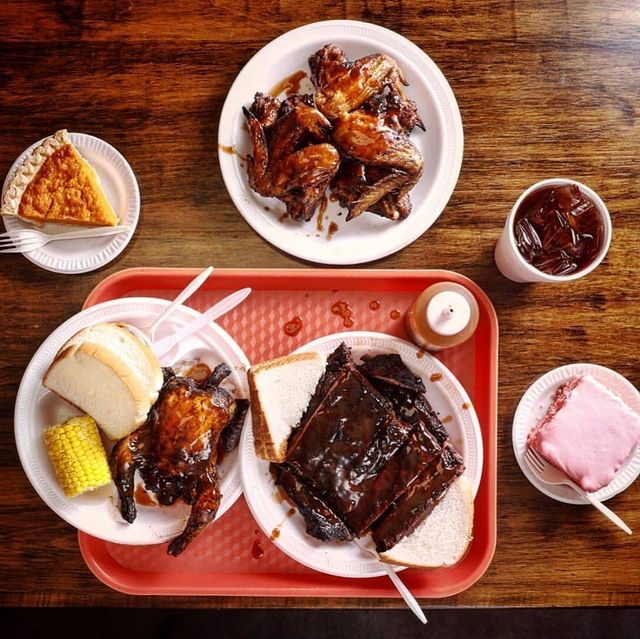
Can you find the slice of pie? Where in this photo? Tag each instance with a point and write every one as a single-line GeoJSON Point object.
{"type": "Point", "coordinates": [56, 184]}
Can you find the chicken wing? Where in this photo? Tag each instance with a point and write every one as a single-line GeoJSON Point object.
{"type": "Point", "coordinates": [369, 140]}
{"type": "Point", "coordinates": [372, 119]}
{"type": "Point", "coordinates": [291, 158]}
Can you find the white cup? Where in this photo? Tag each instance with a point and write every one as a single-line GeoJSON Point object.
{"type": "Point", "coordinates": [512, 263]}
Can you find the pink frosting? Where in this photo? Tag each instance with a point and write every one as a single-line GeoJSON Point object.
{"type": "Point", "coordinates": [589, 435]}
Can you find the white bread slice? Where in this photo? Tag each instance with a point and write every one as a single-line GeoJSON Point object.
{"type": "Point", "coordinates": [110, 373]}
{"type": "Point", "coordinates": [280, 390]}
{"type": "Point", "coordinates": [443, 537]}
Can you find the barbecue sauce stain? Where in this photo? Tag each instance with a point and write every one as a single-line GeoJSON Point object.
{"type": "Point", "coordinates": [275, 533]}
{"type": "Point", "coordinates": [143, 498]}
{"type": "Point", "coordinates": [293, 326]}
{"type": "Point", "coordinates": [395, 314]}
{"type": "Point", "coordinates": [322, 209]}
{"type": "Point", "coordinates": [345, 312]}
{"type": "Point", "coordinates": [333, 227]}
{"type": "Point", "coordinates": [420, 354]}
{"type": "Point", "coordinates": [436, 377]}
{"type": "Point", "coordinates": [289, 85]}
{"type": "Point", "coordinates": [231, 150]}
{"type": "Point", "coordinates": [447, 419]}
{"type": "Point", "coordinates": [257, 552]}
{"type": "Point", "coordinates": [466, 406]}
{"type": "Point", "coordinates": [283, 217]}
{"type": "Point", "coordinates": [374, 305]}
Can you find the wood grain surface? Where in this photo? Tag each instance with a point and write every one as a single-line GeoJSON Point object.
{"type": "Point", "coordinates": [544, 88]}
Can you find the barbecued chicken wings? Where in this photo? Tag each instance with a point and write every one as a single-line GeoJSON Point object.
{"type": "Point", "coordinates": [175, 451]}
{"type": "Point", "coordinates": [352, 135]}
{"type": "Point", "coordinates": [291, 157]}
{"type": "Point", "coordinates": [372, 120]}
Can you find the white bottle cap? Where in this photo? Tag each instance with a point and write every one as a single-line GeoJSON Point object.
{"type": "Point", "coordinates": [448, 313]}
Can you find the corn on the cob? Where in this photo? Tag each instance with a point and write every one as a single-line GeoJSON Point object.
{"type": "Point", "coordinates": [77, 455]}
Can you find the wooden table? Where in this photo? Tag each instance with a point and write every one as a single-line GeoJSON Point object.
{"type": "Point", "coordinates": [545, 89]}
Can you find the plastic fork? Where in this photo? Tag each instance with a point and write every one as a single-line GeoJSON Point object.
{"type": "Point", "coordinates": [187, 292]}
{"type": "Point", "coordinates": [409, 599]}
{"type": "Point", "coordinates": [544, 471]}
{"type": "Point", "coordinates": [164, 345]}
{"type": "Point", "coordinates": [27, 240]}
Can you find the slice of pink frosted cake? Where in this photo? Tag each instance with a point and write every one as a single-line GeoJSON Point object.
{"type": "Point", "coordinates": [588, 432]}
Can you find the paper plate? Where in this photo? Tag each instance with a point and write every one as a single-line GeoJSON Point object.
{"type": "Point", "coordinates": [369, 236]}
{"type": "Point", "coordinates": [120, 187]}
{"type": "Point", "coordinates": [97, 513]}
{"type": "Point", "coordinates": [346, 559]}
{"type": "Point", "coordinates": [534, 405]}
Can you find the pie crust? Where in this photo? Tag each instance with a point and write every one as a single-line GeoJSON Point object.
{"type": "Point", "coordinates": [56, 184]}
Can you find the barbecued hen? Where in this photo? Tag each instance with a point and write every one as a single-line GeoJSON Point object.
{"type": "Point", "coordinates": [175, 451]}
{"type": "Point", "coordinates": [291, 158]}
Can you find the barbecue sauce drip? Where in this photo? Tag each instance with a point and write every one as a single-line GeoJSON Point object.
{"type": "Point", "coordinates": [289, 85]}
{"type": "Point", "coordinates": [345, 312]}
{"type": "Point", "coordinates": [143, 498]}
{"type": "Point", "coordinates": [322, 209]}
{"type": "Point", "coordinates": [395, 314]}
{"type": "Point", "coordinates": [231, 150]}
{"type": "Point", "coordinates": [333, 227]}
{"type": "Point", "coordinates": [374, 305]}
{"type": "Point", "coordinates": [293, 326]}
{"type": "Point", "coordinates": [257, 552]}
{"type": "Point", "coordinates": [436, 377]}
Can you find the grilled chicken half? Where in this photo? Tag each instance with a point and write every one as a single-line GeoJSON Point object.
{"type": "Point", "coordinates": [175, 451]}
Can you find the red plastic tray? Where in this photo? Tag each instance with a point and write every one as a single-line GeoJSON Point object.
{"type": "Point", "coordinates": [221, 561]}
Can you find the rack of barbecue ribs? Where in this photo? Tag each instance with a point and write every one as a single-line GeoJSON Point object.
{"type": "Point", "coordinates": [369, 455]}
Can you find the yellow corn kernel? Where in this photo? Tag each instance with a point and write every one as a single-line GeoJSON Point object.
{"type": "Point", "coordinates": [77, 455]}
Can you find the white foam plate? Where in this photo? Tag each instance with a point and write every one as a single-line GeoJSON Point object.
{"type": "Point", "coordinates": [369, 236]}
{"type": "Point", "coordinates": [534, 405]}
{"type": "Point", "coordinates": [97, 513]}
{"type": "Point", "coordinates": [346, 559]}
{"type": "Point", "coordinates": [120, 187]}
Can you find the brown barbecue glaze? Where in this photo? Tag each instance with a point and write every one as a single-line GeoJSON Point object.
{"type": "Point", "coordinates": [175, 451]}
{"type": "Point", "coordinates": [364, 442]}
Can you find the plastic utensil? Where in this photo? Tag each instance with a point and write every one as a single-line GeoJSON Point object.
{"type": "Point", "coordinates": [187, 292]}
{"type": "Point", "coordinates": [409, 599]}
{"type": "Point", "coordinates": [163, 346]}
{"type": "Point", "coordinates": [28, 240]}
{"type": "Point", "coordinates": [547, 473]}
